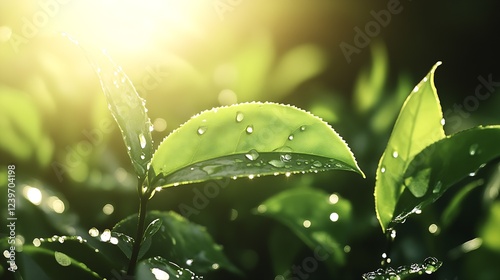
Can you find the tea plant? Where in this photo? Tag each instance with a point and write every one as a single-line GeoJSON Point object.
{"type": "Point", "coordinates": [251, 140]}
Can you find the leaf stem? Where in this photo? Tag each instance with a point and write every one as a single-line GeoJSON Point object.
{"type": "Point", "coordinates": [141, 222]}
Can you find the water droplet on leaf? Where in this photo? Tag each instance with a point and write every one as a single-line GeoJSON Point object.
{"type": "Point", "coordinates": [142, 140]}
{"type": "Point", "coordinates": [473, 149]}
{"type": "Point", "coordinates": [277, 163]}
{"type": "Point", "coordinates": [252, 155]}
{"type": "Point", "coordinates": [249, 129]}
{"type": "Point", "coordinates": [290, 137]}
{"type": "Point", "coordinates": [286, 157]}
{"type": "Point", "coordinates": [395, 154]}
{"type": "Point", "coordinates": [201, 130]}
{"type": "Point", "coordinates": [239, 117]}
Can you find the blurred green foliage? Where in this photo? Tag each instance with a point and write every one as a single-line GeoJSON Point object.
{"type": "Point", "coordinates": [72, 172]}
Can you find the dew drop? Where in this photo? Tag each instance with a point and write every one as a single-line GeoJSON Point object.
{"type": "Point", "coordinates": [290, 137]}
{"type": "Point", "coordinates": [160, 274]}
{"type": "Point", "coordinates": [93, 232]}
{"type": "Point", "coordinates": [249, 129]}
{"type": "Point", "coordinates": [437, 187]}
{"type": "Point", "coordinates": [317, 164]}
{"type": "Point", "coordinates": [334, 217]}
{"type": "Point", "coordinates": [303, 128]}
{"type": "Point", "coordinates": [277, 163]}
{"type": "Point", "coordinates": [424, 79]}
{"type": "Point", "coordinates": [286, 157]}
{"type": "Point", "coordinates": [473, 149]}
{"type": "Point", "coordinates": [252, 155]}
{"type": "Point", "coordinates": [382, 170]}
{"type": "Point", "coordinates": [392, 234]}
{"type": "Point", "coordinates": [443, 121]}
{"type": "Point", "coordinates": [306, 223]}
{"type": "Point", "coordinates": [37, 242]}
{"type": "Point", "coordinates": [62, 259]}
{"type": "Point", "coordinates": [201, 130]}
{"type": "Point", "coordinates": [142, 140]}
{"type": "Point", "coordinates": [288, 174]}
{"type": "Point", "coordinates": [395, 154]}
{"type": "Point", "coordinates": [251, 176]}
{"type": "Point", "coordinates": [415, 89]}
{"type": "Point", "coordinates": [333, 199]}
{"type": "Point", "coordinates": [239, 117]}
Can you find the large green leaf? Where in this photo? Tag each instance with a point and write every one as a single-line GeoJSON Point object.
{"type": "Point", "coordinates": [180, 241]}
{"type": "Point", "coordinates": [419, 124]}
{"type": "Point", "coordinates": [444, 163]}
{"type": "Point", "coordinates": [159, 268]}
{"type": "Point", "coordinates": [128, 109]}
{"type": "Point", "coordinates": [249, 139]}
{"type": "Point", "coordinates": [320, 220]}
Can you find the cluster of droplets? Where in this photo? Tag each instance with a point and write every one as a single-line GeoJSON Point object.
{"type": "Point", "coordinates": [173, 270]}
{"type": "Point", "coordinates": [429, 266]}
{"type": "Point", "coordinates": [105, 236]}
{"type": "Point", "coordinates": [401, 218]}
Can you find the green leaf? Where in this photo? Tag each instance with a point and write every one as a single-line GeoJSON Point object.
{"type": "Point", "coordinates": [180, 241]}
{"type": "Point", "coordinates": [128, 109]}
{"type": "Point", "coordinates": [159, 268]}
{"type": "Point", "coordinates": [457, 203]}
{"type": "Point", "coordinates": [444, 163]}
{"type": "Point", "coordinates": [58, 265]}
{"type": "Point", "coordinates": [320, 220]}
{"type": "Point", "coordinates": [419, 124]}
{"type": "Point", "coordinates": [152, 228]}
{"type": "Point", "coordinates": [249, 139]}
{"type": "Point", "coordinates": [78, 249]}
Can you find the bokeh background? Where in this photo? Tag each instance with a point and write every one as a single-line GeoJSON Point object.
{"type": "Point", "coordinates": [188, 56]}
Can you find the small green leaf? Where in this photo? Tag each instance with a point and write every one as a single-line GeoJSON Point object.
{"type": "Point", "coordinates": [69, 248]}
{"type": "Point", "coordinates": [159, 268]}
{"type": "Point", "coordinates": [152, 228]}
{"type": "Point", "coordinates": [128, 109]}
{"type": "Point", "coordinates": [456, 205]}
{"type": "Point", "coordinates": [444, 163]}
{"type": "Point", "coordinates": [249, 139]}
{"type": "Point", "coordinates": [58, 265]}
{"type": "Point", "coordinates": [320, 220]}
{"type": "Point", "coordinates": [419, 124]}
{"type": "Point", "coordinates": [180, 241]}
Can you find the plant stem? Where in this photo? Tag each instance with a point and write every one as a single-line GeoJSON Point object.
{"type": "Point", "coordinates": [143, 200]}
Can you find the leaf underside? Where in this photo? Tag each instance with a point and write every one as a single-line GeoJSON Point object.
{"type": "Point", "coordinates": [249, 139]}
{"type": "Point", "coordinates": [444, 163]}
{"type": "Point", "coordinates": [128, 109]}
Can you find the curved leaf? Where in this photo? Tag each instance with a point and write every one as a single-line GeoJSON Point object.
{"type": "Point", "coordinates": [319, 219]}
{"type": "Point", "coordinates": [444, 163]}
{"type": "Point", "coordinates": [180, 241]}
{"type": "Point", "coordinates": [128, 109]}
{"type": "Point", "coordinates": [419, 124]}
{"type": "Point", "coordinates": [58, 265]}
{"type": "Point", "coordinates": [80, 250]}
{"type": "Point", "coordinates": [249, 139]}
